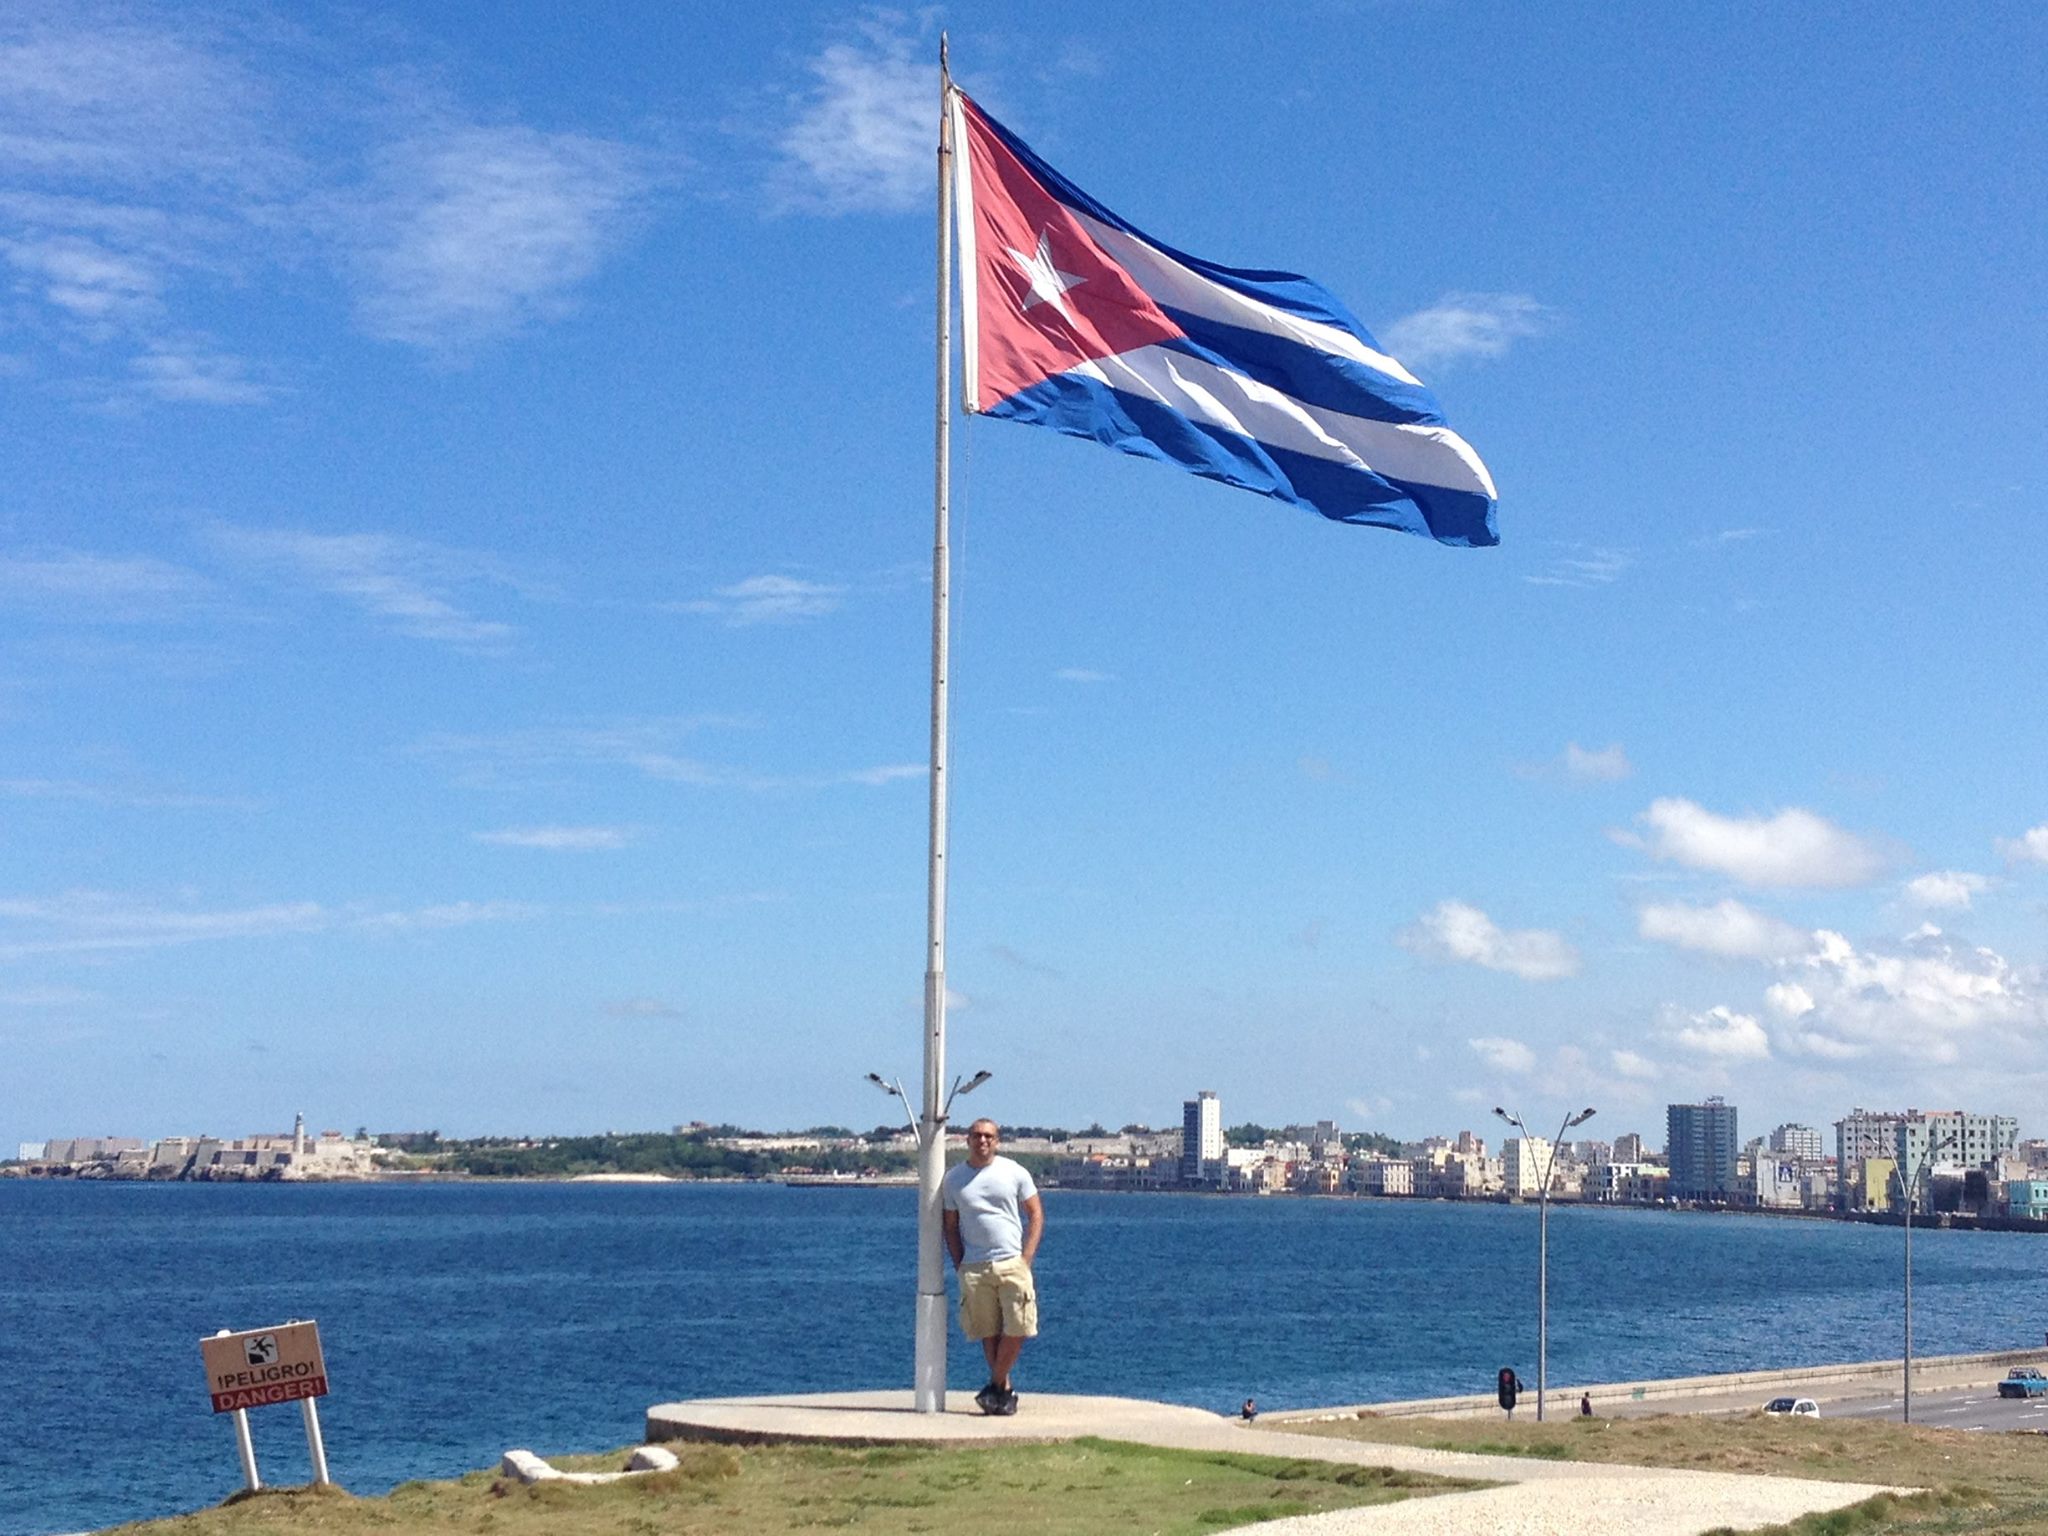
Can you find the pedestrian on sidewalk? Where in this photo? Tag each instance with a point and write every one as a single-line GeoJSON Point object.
{"type": "Point", "coordinates": [993, 1220]}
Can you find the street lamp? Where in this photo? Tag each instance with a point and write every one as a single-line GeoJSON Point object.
{"type": "Point", "coordinates": [1908, 1184]}
{"type": "Point", "coordinates": [1543, 1247]}
{"type": "Point", "coordinates": [928, 1360]}
{"type": "Point", "coordinates": [894, 1087]}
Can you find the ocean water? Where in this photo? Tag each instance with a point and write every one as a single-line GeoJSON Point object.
{"type": "Point", "coordinates": [460, 1320]}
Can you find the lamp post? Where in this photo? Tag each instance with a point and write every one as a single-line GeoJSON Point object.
{"type": "Point", "coordinates": [1909, 1183]}
{"type": "Point", "coordinates": [1543, 1247]}
{"type": "Point", "coordinates": [928, 1389]}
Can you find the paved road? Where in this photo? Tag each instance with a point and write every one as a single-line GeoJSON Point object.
{"type": "Point", "coordinates": [1961, 1408]}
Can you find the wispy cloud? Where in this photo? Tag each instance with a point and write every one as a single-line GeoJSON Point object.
{"type": "Point", "coordinates": [468, 232]}
{"type": "Point", "coordinates": [116, 795]}
{"type": "Point", "coordinates": [1581, 566]}
{"type": "Point", "coordinates": [767, 599]}
{"type": "Point", "coordinates": [1946, 889]}
{"type": "Point", "coordinates": [1583, 765]}
{"type": "Point", "coordinates": [646, 747]}
{"type": "Point", "coordinates": [558, 839]}
{"type": "Point", "coordinates": [1083, 675]}
{"type": "Point", "coordinates": [2030, 847]}
{"type": "Point", "coordinates": [1726, 928]}
{"type": "Point", "coordinates": [1793, 848]}
{"type": "Point", "coordinates": [1504, 1055]}
{"type": "Point", "coordinates": [89, 922]}
{"type": "Point", "coordinates": [1722, 538]}
{"type": "Point", "coordinates": [121, 589]}
{"type": "Point", "coordinates": [155, 159]}
{"type": "Point", "coordinates": [1457, 931]}
{"type": "Point", "coordinates": [1630, 1064]}
{"type": "Point", "coordinates": [400, 583]}
{"type": "Point", "coordinates": [861, 138]}
{"type": "Point", "coordinates": [1460, 326]}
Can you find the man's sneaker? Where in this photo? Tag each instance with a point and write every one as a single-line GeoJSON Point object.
{"type": "Point", "coordinates": [1006, 1404]}
{"type": "Point", "coordinates": [989, 1398]}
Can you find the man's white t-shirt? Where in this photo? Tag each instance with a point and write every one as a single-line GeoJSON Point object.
{"type": "Point", "coordinates": [989, 1200]}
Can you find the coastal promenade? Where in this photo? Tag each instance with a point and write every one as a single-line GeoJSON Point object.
{"type": "Point", "coordinates": [1526, 1497]}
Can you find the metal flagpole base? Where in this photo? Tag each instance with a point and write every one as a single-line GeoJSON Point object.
{"type": "Point", "coordinates": [929, 1388]}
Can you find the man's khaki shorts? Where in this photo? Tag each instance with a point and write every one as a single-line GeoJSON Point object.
{"type": "Point", "coordinates": [998, 1298]}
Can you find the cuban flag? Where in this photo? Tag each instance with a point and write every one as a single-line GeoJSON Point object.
{"type": "Point", "coordinates": [1076, 320]}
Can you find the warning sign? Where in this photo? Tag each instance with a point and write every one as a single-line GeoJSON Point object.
{"type": "Point", "coordinates": [264, 1365]}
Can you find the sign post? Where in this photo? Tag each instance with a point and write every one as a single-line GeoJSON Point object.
{"type": "Point", "coordinates": [268, 1365]}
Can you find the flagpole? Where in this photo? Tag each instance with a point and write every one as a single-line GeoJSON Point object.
{"type": "Point", "coordinates": [929, 1365]}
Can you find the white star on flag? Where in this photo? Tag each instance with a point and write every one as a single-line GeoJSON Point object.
{"type": "Point", "coordinates": [1048, 282]}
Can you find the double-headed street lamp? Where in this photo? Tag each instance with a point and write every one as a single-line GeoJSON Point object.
{"type": "Point", "coordinates": [1909, 1182]}
{"type": "Point", "coordinates": [928, 1391]}
{"type": "Point", "coordinates": [1543, 1246]}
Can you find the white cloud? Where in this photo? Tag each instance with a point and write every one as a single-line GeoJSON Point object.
{"type": "Point", "coordinates": [1724, 1034]}
{"type": "Point", "coordinates": [1793, 848]}
{"type": "Point", "coordinates": [103, 794]}
{"type": "Point", "coordinates": [1605, 766]}
{"type": "Point", "coordinates": [768, 599]}
{"type": "Point", "coordinates": [1083, 675]}
{"type": "Point", "coordinates": [557, 839]}
{"type": "Point", "coordinates": [193, 372]}
{"type": "Point", "coordinates": [148, 166]}
{"type": "Point", "coordinates": [1456, 930]}
{"type": "Point", "coordinates": [1582, 566]}
{"type": "Point", "coordinates": [470, 232]}
{"type": "Point", "coordinates": [642, 746]}
{"type": "Point", "coordinates": [1465, 325]}
{"type": "Point", "coordinates": [1503, 1055]}
{"type": "Point", "coordinates": [1922, 1000]}
{"type": "Point", "coordinates": [866, 136]}
{"type": "Point", "coordinates": [77, 585]}
{"type": "Point", "coordinates": [1630, 1065]}
{"type": "Point", "coordinates": [449, 914]}
{"type": "Point", "coordinates": [1726, 928]}
{"type": "Point", "coordinates": [85, 922]}
{"type": "Point", "coordinates": [2030, 847]}
{"type": "Point", "coordinates": [1947, 888]}
{"type": "Point", "coordinates": [396, 581]}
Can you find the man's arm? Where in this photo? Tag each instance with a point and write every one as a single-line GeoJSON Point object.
{"type": "Point", "coordinates": [950, 1222]}
{"type": "Point", "coordinates": [1034, 1227]}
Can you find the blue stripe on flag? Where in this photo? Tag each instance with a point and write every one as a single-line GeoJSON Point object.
{"type": "Point", "coordinates": [1283, 290]}
{"type": "Point", "coordinates": [1084, 407]}
{"type": "Point", "coordinates": [1308, 374]}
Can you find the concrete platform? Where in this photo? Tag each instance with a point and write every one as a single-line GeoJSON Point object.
{"type": "Point", "coordinates": [887, 1418]}
{"type": "Point", "coordinates": [1531, 1498]}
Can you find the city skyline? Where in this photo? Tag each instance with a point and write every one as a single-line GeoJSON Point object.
{"type": "Point", "coordinates": [464, 598]}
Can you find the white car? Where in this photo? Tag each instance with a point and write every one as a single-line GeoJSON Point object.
{"type": "Point", "coordinates": [1793, 1407]}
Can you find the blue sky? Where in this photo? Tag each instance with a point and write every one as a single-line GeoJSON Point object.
{"type": "Point", "coordinates": [464, 574]}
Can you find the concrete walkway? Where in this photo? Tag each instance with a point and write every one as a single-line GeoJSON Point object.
{"type": "Point", "coordinates": [1540, 1498]}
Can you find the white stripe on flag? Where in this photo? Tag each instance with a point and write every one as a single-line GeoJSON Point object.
{"type": "Point", "coordinates": [1180, 287]}
{"type": "Point", "coordinates": [970, 273]}
{"type": "Point", "coordinates": [1216, 397]}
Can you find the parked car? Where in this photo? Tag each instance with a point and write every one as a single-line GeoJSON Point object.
{"type": "Point", "coordinates": [2024, 1381]}
{"type": "Point", "coordinates": [1805, 1407]}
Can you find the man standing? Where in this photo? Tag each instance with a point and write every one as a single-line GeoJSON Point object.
{"type": "Point", "coordinates": [993, 1220]}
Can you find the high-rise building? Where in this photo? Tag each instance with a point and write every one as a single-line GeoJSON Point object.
{"type": "Point", "coordinates": [1949, 1136]}
{"type": "Point", "coordinates": [1523, 1161]}
{"type": "Point", "coordinates": [1628, 1147]}
{"type": "Point", "coordinates": [1798, 1141]}
{"type": "Point", "coordinates": [1201, 1137]}
{"type": "Point", "coordinates": [1701, 1144]}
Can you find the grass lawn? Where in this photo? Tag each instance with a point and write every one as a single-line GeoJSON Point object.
{"type": "Point", "coordinates": [1082, 1488]}
{"type": "Point", "coordinates": [1977, 1481]}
